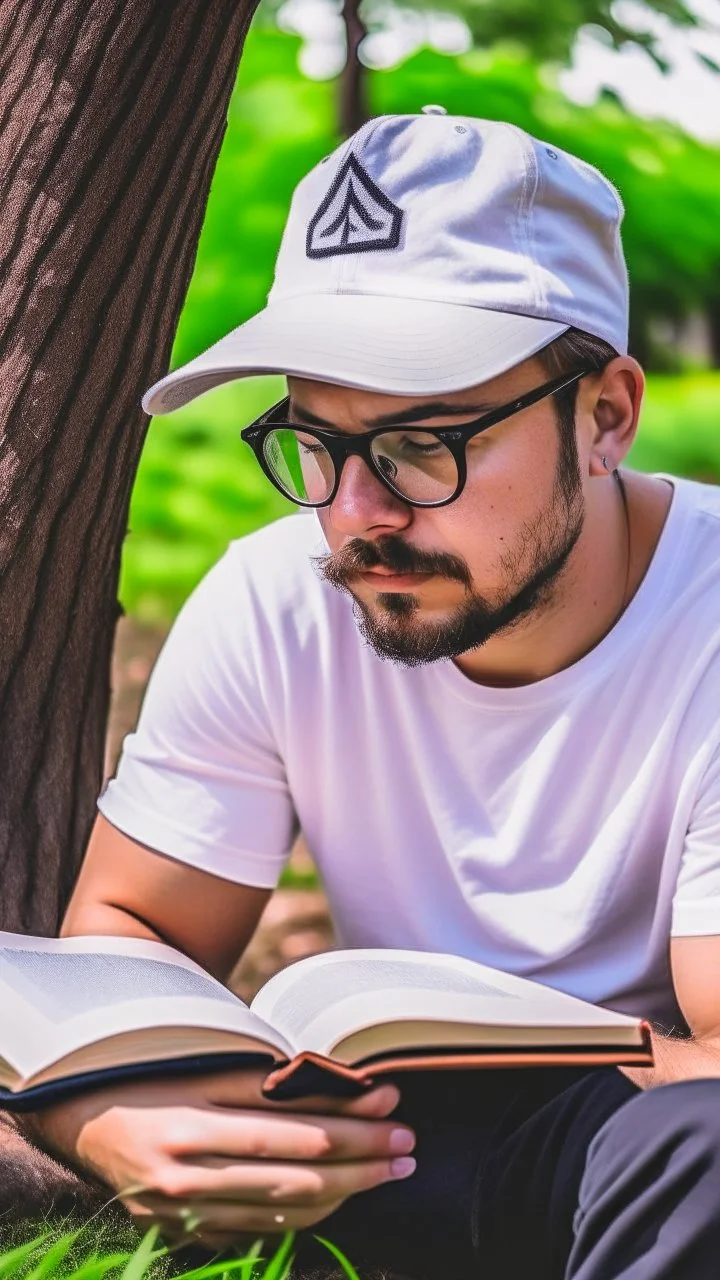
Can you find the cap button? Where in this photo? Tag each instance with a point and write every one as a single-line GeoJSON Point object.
{"type": "Point", "coordinates": [433, 110]}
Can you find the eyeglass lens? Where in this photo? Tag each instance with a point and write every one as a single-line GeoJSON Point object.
{"type": "Point", "coordinates": [417, 465]}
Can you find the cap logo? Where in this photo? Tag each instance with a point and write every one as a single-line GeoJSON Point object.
{"type": "Point", "coordinates": [355, 216]}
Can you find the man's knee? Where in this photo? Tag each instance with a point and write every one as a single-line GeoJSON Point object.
{"type": "Point", "coordinates": [673, 1120]}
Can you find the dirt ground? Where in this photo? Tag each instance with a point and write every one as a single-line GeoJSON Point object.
{"type": "Point", "coordinates": [296, 921]}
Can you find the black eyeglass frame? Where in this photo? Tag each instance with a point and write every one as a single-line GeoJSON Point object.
{"type": "Point", "coordinates": [341, 444]}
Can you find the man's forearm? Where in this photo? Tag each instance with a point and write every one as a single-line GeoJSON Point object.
{"type": "Point", "coordinates": [677, 1059]}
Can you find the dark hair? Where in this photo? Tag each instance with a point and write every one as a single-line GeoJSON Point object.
{"type": "Point", "coordinates": [572, 349]}
{"type": "Point", "coordinates": [569, 352]}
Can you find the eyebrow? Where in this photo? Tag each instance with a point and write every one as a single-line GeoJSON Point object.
{"type": "Point", "coordinates": [401, 417]}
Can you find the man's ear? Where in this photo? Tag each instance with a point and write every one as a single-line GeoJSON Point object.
{"type": "Point", "coordinates": [614, 397]}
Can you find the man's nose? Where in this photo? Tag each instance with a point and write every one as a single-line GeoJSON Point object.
{"type": "Point", "coordinates": [362, 503]}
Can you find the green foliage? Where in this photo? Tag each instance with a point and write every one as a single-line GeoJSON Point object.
{"type": "Point", "coordinates": [84, 1254]}
{"type": "Point", "coordinates": [339, 1256]}
{"type": "Point", "coordinates": [680, 428]}
{"type": "Point", "coordinates": [548, 31]}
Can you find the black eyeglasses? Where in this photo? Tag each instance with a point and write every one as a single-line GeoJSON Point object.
{"type": "Point", "coordinates": [425, 466]}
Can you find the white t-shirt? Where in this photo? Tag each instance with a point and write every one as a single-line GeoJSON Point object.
{"type": "Point", "coordinates": [561, 830]}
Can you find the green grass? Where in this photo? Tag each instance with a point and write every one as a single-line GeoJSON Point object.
{"type": "Point", "coordinates": [91, 1253]}
{"type": "Point", "coordinates": [199, 486]}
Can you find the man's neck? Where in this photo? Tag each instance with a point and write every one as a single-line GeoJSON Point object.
{"type": "Point", "coordinates": [595, 588]}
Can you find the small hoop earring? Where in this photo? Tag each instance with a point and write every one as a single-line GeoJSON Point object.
{"type": "Point", "coordinates": [605, 462]}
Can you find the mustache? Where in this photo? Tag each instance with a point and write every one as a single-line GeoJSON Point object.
{"type": "Point", "coordinates": [393, 553]}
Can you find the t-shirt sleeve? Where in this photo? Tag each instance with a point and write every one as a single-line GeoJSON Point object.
{"type": "Point", "coordinates": [696, 905]}
{"type": "Point", "coordinates": [201, 779]}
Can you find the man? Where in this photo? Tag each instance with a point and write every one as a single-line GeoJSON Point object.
{"type": "Point", "coordinates": [481, 673]}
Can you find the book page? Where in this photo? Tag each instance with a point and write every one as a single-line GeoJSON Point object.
{"type": "Point", "coordinates": [319, 1001]}
{"type": "Point", "coordinates": [59, 995]}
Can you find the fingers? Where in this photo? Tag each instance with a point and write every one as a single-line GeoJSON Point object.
{"type": "Point", "coordinates": [244, 1089]}
{"type": "Point", "coordinates": [269, 1198]}
{"type": "Point", "coordinates": [232, 1171]}
{"type": "Point", "coordinates": [200, 1137]}
{"type": "Point", "coordinates": [268, 1181]}
{"type": "Point", "coordinates": [380, 1101]}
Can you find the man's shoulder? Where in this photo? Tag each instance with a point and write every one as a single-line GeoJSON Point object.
{"type": "Point", "coordinates": [697, 525]}
{"type": "Point", "coordinates": [700, 497]}
{"type": "Point", "coordinates": [682, 587]}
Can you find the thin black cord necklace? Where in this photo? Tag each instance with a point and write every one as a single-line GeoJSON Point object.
{"type": "Point", "coordinates": [622, 488]}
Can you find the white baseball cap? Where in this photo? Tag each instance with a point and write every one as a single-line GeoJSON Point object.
{"type": "Point", "coordinates": [427, 254]}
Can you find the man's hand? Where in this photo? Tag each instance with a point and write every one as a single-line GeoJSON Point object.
{"type": "Point", "coordinates": [211, 1157]}
{"type": "Point", "coordinates": [210, 1152]}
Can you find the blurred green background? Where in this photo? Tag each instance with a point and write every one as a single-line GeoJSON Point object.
{"type": "Point", "coordinates": [198, 486]}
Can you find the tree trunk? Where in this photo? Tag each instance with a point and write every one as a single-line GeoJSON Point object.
{"type": "Point", "coordinates": [34, 1187]}
{"type": "Point", "coordinates": [713, 315]}
{"type": "Point", "coordinates": [352, 87]}
{"type": "Point", "coordinates": [111, 117]}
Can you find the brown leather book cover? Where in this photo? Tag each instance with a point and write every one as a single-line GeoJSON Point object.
{"type": "Point", "coordinates": [311, 1073]}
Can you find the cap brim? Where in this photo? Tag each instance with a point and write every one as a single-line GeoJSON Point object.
{"type": "Point", "coordinates": [398, 346]}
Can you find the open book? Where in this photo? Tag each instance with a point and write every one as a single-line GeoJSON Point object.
{"type": "Point", "coordinates": [78, 1012]}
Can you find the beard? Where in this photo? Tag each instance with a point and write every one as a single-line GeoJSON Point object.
{"type": "Point", "coordinates": [394, 625]}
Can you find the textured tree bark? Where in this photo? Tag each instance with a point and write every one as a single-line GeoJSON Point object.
{"type": "Point", "coordinates": [111, 118]}
{"type": "Point", "coordinates": [34, 1187]}
{"type": "Point", "coordinates": [353, 78]}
